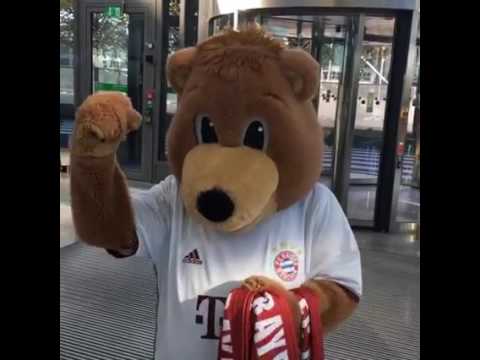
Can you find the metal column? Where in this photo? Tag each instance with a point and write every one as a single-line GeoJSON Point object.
{"type": "Point", "coordinates": [396, 117]}
{"type": "Point", "coordinates": [316, 50]}
{"type": "Point", "coordinates": [188, 23]}
{"type": "Point", "coordinates": [160, 168]}
{"type": "Point", "coordinates": [347, 103]}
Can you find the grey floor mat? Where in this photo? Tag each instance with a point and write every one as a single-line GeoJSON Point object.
{"type": "Point", "coordinates": [107, 309]}
{"type": "Point", "coordinates": [107, 306]}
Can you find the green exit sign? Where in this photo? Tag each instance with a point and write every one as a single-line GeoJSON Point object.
{"type": "Point", "coordinates": [113, 11]}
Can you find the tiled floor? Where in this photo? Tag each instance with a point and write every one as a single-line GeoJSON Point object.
{"type": "Point", "coordinates": [65, 157]}
{"type": "Point", "coordinates": [361, 203]}
{"type": "Point", "coordinates": [67, 233]}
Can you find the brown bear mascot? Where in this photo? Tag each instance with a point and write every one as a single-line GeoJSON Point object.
{"type": "Point", "coordinates": [243, 206]}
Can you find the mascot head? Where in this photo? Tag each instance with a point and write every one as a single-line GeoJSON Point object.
{"type": "Point", "coordinates": [245, 141]}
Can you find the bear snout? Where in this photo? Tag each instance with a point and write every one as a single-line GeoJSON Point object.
{"type": "Point", "coordinates": [215, 205]}
{"type": "Point", "coordinates": [229, 188]}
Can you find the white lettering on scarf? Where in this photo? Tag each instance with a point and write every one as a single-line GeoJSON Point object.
{"type": "Point", "coordinates": [262, 303]}
{"type": "Point", "coordinates": [304, 310]}
{"type": "Point", "coordinates": [266, 327]}
{"type": "Point", "coordinates": [227, 302]}
{"type": "Point", "coordinates": [226, 339]}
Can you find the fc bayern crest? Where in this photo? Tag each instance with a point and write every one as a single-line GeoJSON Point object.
{"type": "Point", "coordinates": [286, 265]}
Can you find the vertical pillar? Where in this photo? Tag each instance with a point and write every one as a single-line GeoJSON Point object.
{"type": "Point", "coordinates": [188, 23]}
{"type": "Point", "coordinates": [396, 117]}
{"type": "Point", "coordinates": [346, 112]}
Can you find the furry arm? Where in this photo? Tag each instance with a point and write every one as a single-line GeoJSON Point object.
{"type": "Point", "coordinates": [101, 208]}
{"type": "Point", "coordinates": [337, 303]}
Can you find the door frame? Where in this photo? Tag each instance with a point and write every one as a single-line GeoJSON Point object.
{"type": "Point", "coordinates": [187, 23]}
{"type": "Point", "coordinates": [83, 67]}
{"type": "Point", "coordinates": [164, 20]}
{"type": "Point", "coordinates": [396, 120]}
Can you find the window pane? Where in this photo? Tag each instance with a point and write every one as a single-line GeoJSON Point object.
{"type": "Point", "coordinates": [370, 116]}
{"type": "Point", "coordinates": [117, 65]}
{"type": "Point", "coordinates": [408, 209]}
{"type": "Point", "coordinates": [66, 75]}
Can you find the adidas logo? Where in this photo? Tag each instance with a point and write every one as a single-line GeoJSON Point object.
{"type": "Point", "coordinates": [192, 258]}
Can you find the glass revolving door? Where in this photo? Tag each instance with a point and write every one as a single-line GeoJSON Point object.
{"type": "Point", "coordinates": [325, 38]}
{"type": "Point", "coordinates": [363, 56]}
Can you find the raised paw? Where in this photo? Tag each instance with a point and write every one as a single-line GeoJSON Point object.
{"type": "Point", "coordinates": [107, 117]}
{"type": "Point", "coordinates": [261, 283]}
{"type": "Point", "coordinates": [102, 121]}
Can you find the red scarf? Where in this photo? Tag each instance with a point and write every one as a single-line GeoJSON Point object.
{"type": "Point", "coordinates": [260, 326]}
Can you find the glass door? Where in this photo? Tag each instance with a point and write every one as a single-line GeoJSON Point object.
{"type": "Point", "coordinates": [116, 54]}
{"type": "Point", "coordinates": [368, 134]}
{"type": "Point", "coordinates": [328, 47]}
{"type": "Point", "coordinates": [408, 208]}
{"type": "Point", "coordinates": [324, 38]}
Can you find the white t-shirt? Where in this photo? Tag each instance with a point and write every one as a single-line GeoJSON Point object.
{"type": "Point", "coordinates": [197, 266]}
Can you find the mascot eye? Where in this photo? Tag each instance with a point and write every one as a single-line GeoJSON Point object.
{"type": "Point", "coordinates": [255, 136]}
{"type": "Point", "coordinates": [205, 130]}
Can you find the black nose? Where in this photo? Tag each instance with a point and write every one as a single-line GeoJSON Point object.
{"type": "Point", "coordinates": [215, 205]}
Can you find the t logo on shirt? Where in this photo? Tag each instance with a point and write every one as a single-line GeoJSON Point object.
{"type": "Point", "coordinates": [209, 313]}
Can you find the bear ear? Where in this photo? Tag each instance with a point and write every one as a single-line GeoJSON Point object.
{"type": "Point", "coordinates": [302, 71]}
{"type": "Point", "coordinates": [179, 67]}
